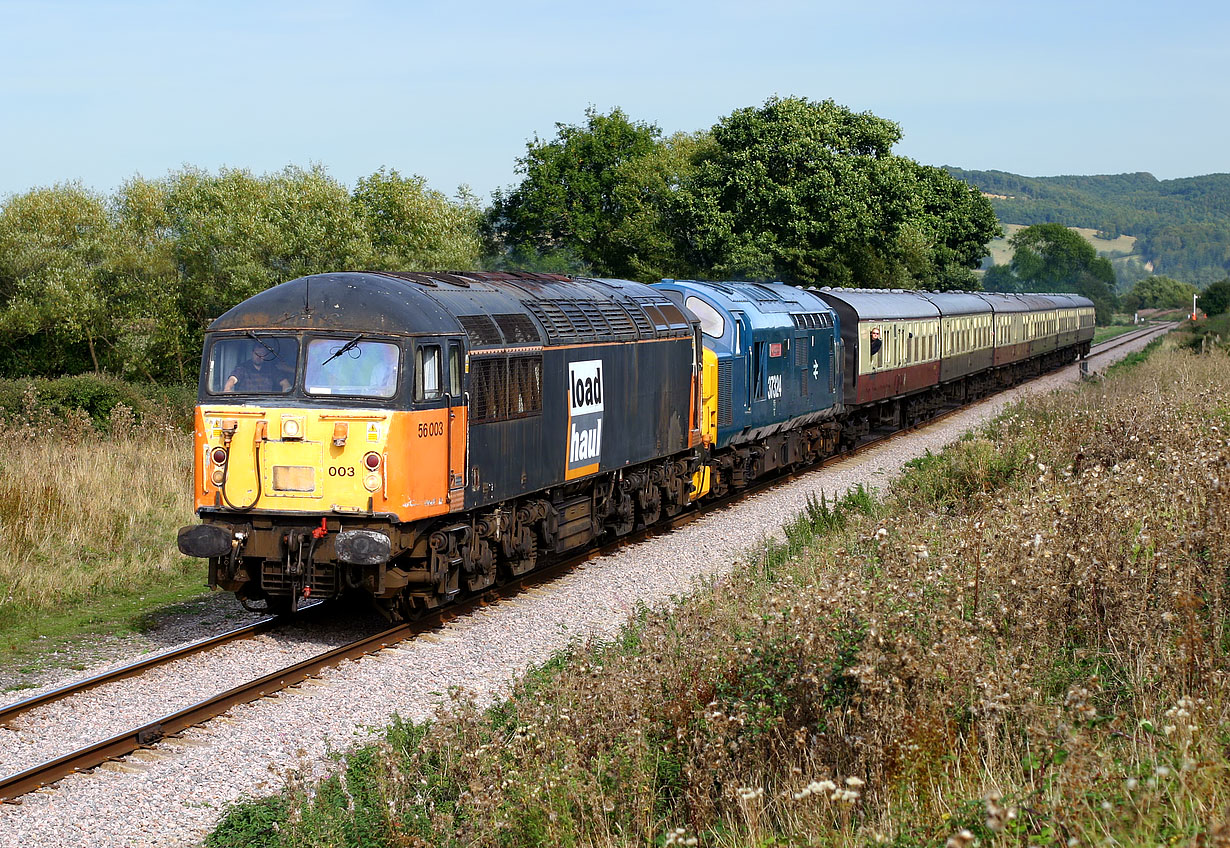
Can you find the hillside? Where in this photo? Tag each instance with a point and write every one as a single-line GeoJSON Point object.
{"type": "Point", "coordinates": [1181, 227]}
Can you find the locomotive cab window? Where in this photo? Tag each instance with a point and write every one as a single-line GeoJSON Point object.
{"type": "Point", "coordinates": [253, 364]}
{"type": "Point", "coordinates": [712, 324]}
{"type": "Point", "coordinates": [454, 369]}
{"type": "Point", "coordinates": [356, 367]}
{"type": "Point", "coordinates": [427, 372]}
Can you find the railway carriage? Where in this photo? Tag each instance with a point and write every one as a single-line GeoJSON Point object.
{"type": "Point", "coordinates": [907, 326]}
{"type": "Point", "coordinates": [966, 327]}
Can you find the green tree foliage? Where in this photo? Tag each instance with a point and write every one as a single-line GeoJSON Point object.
{"type": "Point", "coordinates": [1159, 293]}
{"type": "Point", "coordinates": [584, 194]}
{"type": "Point", "coordinates": [999, 278]}
{"type": "Point", "coordinates": [54, 248]}
{"type": "Point", "coordinates": [413, 228]}
{"type": "Point", "coordinates": [1216, 298]}
{"type": "Point", "coordinates": [1053, 258]}
{"type": "Point", "coordinates": [794, 190]}
{"type": "Point", "coordinates": [128, 284]}
{"type": "Point", "coordinates": [811, 192]}
{"type": "Point", "coordinates": [235, 233]}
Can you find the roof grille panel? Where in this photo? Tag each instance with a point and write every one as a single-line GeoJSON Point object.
{"type": "Point", "coordinates": [518, 329]}
{"type": "Point", "coordinates": [482, 330]}
{"type": "Point", "coordinates": [617, 319]}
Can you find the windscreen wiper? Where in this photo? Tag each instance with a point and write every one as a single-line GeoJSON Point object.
{"type": "Point", "coordinates": [343, 349]}
{"type": "Point", "coordinates": [261, 343]}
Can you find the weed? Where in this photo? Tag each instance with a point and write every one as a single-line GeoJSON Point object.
{"type": "Point", "coordinates": [1024, 644]}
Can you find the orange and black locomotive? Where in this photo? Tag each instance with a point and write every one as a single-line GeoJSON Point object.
{"type": "Point", "coordinates": [413, 435]}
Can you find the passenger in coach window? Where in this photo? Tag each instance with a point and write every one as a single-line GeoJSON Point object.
{"type": "Point", "coordinates": [259, 374]}
{"type": "Point", "coordinates": [876, 342]}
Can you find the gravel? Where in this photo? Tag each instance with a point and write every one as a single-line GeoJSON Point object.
{"type": "Point", "coordinates": [174, 793]}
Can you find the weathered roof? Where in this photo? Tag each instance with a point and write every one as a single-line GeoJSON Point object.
{"type": "Point", "coordinates": [493, 309]}
{"type": "Point", "coordinates": [881, 304]}
{"type": "Point", "coordinates": [956, 303]}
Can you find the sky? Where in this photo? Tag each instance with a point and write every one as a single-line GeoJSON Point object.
{"type": "Point", "coordinates": [99, 92]}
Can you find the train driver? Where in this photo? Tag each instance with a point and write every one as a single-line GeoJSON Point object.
{"type": "Point", "coordinates": [259, 374]}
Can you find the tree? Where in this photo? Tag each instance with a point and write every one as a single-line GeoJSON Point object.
{"type": "Point", "coordinates": [579, 191]}
{"type": "Point", "coordinates": [54, 312]}
{"type": "Point", "coordinates": [1159, 292]}
{"type": "Point", "coordinates": [999, 278]}
{"type": "Point", "coordinates": [811, 192]}
{"type": "Point", "coordinates": [1216, 298]}
{"type": "Point", "coordinates": [1051, 257]}
{"type": "Point", "coordinates": [413, 228]}
{"type": "Point", "coordinates": [236, 234]}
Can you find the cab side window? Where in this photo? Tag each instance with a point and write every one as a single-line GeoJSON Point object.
{"type": "Point", "coordinates": [426, 372]}
{"type": "Point", "coordinates": [454, 370]}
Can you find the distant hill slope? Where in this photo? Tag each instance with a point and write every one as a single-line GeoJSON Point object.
{"type": "Point", "coordinates": [1182, 227]}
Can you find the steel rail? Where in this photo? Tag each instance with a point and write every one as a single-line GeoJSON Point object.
{"type": "Point", "coordinates": [12, 711]}
{"type": "Point", "coordinates": [15, 785]}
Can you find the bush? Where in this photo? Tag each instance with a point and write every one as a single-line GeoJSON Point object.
{"type": "Point", "coordinates": [97, 397]}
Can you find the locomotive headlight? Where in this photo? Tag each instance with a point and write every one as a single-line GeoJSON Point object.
{"type": "Point", "coordinates": [218, 476]}
{"type": "Point", "coordinates": [372, 460]}
{"type": "Point", "coordinates": [292, 427]}
{"type": "Point", "coordinates": [371, 482]}
{"type": "Point", "coordinates": [219, 456]}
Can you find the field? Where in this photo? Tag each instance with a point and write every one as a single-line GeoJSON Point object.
{"type": "Point", "coordinates": [1025, 643]}
{"type": "Point", "coordinates": [88, 514]}
{"type": "Point", "coordinates": [1001, 253]}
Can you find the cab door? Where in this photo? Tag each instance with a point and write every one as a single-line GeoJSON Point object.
{"type": "Point", "coordinates": [458, 404]}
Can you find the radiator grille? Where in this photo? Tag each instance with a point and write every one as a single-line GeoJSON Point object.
{"type": "Point", "coordinates": [503, 388]}
{"type": "Point", "coordinates": [725, 416]}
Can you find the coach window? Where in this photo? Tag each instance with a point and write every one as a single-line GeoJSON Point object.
{"type": "Point", "coordinates": [426, 372]}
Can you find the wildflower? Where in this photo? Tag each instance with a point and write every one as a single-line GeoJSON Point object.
{"type": "Point", "coordinates": [854, 782]}
{"type": "Point", "coordinates": [960, 839]}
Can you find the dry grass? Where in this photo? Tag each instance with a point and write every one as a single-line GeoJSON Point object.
{"type": "Point", "coordinates": [1027, 644]}
{"type": "Point", "coordinates": [85, 512]}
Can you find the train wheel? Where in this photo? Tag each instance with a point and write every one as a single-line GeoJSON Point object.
{"type": "Point", "coordinates": [651, 505]}
{"type": "Point", "coordinates": [479, 561]}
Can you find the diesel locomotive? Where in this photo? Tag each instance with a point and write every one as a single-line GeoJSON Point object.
{"type": "Point", "coordinates": [417, 436]}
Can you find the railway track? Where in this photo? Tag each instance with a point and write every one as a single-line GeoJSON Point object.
{"type": "Point", "coordinates": [149, 733]}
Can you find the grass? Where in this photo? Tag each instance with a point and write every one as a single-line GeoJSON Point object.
{"type": "Point", "coordinates": [89, 514]}
{"type": "Point", "coordinates": [1026, 643]}
{"type": "Point", "coordinates": [1101, 334]}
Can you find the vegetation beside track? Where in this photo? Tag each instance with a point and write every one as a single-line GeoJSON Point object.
{"type": "Point", "coordinates": [95, 478]}
{"type": "Point", "coordinates": [1101, 334]}
{"type": "Point", "coordinates": [1025, 643]}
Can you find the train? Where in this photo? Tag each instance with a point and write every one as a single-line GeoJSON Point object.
{"type": "Point", "coordinates": [415, 437]}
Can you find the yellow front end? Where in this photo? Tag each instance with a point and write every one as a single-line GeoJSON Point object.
{"type": "Point", "coordinates": [324, 461]}
{"type": "Point", "coordinates": [702, 480]}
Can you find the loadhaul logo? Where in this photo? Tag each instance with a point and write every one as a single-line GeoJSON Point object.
{"type": "Point", "coordinates": [584, 417]}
